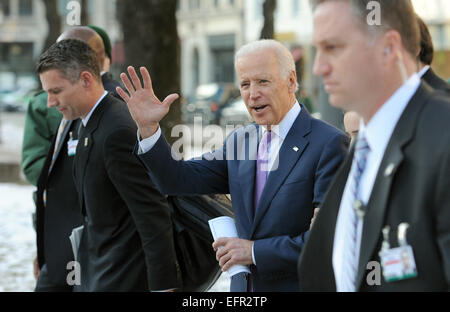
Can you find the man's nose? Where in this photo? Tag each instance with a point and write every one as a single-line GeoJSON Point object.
{"type": "Point", "coordinates": [321, 66]}
{"type": "Point", "coordinates": [51, 101]}
{"type": "Point", "coordinates": [254, 92]}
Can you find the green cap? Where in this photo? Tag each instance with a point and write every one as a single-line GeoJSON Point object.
{"type": "Point", "coordinates": [105, 38]}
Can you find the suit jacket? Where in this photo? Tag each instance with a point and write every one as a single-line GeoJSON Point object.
{"type": "Point", "coordinates": [61, 213]}
{"type": "Point", "coordinates": [110, 84]}
{"type": "Point", "coordinates": [127, 242]}
{"type": "Point", "coordinates": [435, 81]}
{"type": "Point", "coordinates": [412, 185]}
{"type": "Point", "coordinates": [308, 158]}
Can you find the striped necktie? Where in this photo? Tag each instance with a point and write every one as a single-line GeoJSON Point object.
{"type": "Point", "coordinates": [351, 258]}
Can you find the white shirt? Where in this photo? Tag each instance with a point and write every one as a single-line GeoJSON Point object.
{"type": "Point", "coordinates": [280, 131]}
{"type": "Point", "coordinates": [423, 71]}
{"type": "Point", "coordinates": [279, 134]}
{"type": "Point", "coordinates": [88, 116]}
{"type": "Point", "coordinates": [378, 133]}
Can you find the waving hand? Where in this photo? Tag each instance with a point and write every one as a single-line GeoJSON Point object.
{"type": "Point", "coordinates": [145, 108]}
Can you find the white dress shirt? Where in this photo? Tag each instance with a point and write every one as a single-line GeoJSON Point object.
{"type": "Point", "coordinates": [423, 71]}
{"type": "Point", "coordinates": [280, 132]}
{"type": "Point", "coordinates": [88, 116]}
{"type": "Point", "coordinates": [378, 133]}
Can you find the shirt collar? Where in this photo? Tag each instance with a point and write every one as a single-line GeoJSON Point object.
{"type": "Point", "coordinates": [86, 119]}
{"type": "Point", "coordinates": [282, 129]}
{"type": "Point", "coordinates": [380, 128]}
{"type": "Point", "coordinates": [423, 71]}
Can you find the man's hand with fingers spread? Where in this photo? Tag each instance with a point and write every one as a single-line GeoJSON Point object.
{"type": "Point", "coordinates": [145, 108]}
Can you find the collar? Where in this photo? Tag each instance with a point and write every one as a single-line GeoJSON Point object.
{"type": "Point", "coordinates": [380, 128]}
{"type": "Point", "coordinates": [423, 71]}
{"type": "Point", "coordinates": [282, 129]}
{"type": "Point", "coordinates": [86, 119]}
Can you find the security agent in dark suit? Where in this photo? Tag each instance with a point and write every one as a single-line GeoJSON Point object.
{"type": "Point", "coordinates": [272, 214]}
{"type": "Point", "coordinates": [425, 59]}
{"type": "Point", "coordinates": [396, 176]}
{"type": "Point", "coordinates": [57, 208]}
{"type": "Point", "coordinates": [127, 242]}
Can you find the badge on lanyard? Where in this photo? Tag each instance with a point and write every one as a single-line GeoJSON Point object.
{"type": "Point", "coordinates": [398, 263]}
{"type": "Point", "coordinates": [71, 146]}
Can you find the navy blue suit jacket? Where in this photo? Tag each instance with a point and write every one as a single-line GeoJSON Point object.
{"type": "Point", "coordinates": [308, 159]}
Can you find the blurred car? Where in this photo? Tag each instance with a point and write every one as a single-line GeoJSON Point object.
{"type": "Point", "coordinates": [208, 102]}
{"type": "Point", "coordinates": [16, 100]}
{"type": "Point", "coordinates": [235, 114]}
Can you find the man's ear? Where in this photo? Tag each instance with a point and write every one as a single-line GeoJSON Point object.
{"type": "Point", "coordinates": [392, 44]}
{"type": "Point", "coordinates": [86, 79]}
{"type": "Point", "coordinates": [292, 81]}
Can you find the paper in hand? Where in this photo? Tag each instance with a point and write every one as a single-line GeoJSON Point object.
{"type": "Point", "coordinates": [225, 227]}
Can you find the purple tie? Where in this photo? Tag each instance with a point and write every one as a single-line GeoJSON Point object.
{"type": "Point", "coordinates": [262, 165]}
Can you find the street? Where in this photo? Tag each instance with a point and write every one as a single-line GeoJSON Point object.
{"type": "Point", "coordinates": [17, 237]}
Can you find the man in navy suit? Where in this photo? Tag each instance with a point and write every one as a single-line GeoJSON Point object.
{"type": "Point", "coordinates": [273, 205]}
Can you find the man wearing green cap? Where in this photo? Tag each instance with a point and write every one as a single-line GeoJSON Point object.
{"type": "Point", "coordinates": [108, 82]}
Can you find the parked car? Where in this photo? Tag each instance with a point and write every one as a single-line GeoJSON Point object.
{"type": "Point", "coordinates": [235, 114]}
{"type": "Point", "coordinates": [208, 102]}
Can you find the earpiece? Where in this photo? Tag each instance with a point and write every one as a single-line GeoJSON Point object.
{"type": "Point", "coordinates": [387, 50]}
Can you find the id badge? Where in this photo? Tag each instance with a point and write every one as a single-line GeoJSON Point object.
{"type": "Point", "coordinates": [72, 147]}
{"type": "Point", "coordinates": [398, 264]}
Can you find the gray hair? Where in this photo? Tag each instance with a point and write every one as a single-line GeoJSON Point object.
{"type": "Point", "coordinates": [285, 58]}
{"type": "Point", "coordinates": [71, 57]}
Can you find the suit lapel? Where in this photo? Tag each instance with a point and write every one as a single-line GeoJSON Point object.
{"type": "Point", "coordinates": [247, 169]}
{"type": "Point", "coordinates": [84, 147]}
{"type": "Point", "coordinates": [287, 158]}
{"type": "Point", "coordinates": [61, 143]}
{"type": "Point", "coordinates": [392, 159]}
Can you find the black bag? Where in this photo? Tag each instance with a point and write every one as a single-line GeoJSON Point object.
{"type": "Point", "coordinates": [193, 238]}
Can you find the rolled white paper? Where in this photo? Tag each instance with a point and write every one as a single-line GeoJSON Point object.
{"type": "Point", "coordinates": [225, 227]}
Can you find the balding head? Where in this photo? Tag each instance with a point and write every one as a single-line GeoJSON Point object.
{"type": "Point", "coordinates": [89, 36]}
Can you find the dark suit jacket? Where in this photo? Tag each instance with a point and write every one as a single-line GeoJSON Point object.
{"type": "Point", "coordinates": [110, 84]}
{"type": "Point", "coordinates": [308, 159]}
{"type": "Point", "coordinates": [127, 242]}
{"type": "Point", "coordinates": [411, 186]}
{"type": "Point", "coordinates": [61, 213]}
{"type": "Point", "coordinates": [435, 81]}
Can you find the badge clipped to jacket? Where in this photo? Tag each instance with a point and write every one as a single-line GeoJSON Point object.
{"type": "Point", "coordinates": [71, 146]}
{"type": "Point", "coordinates": [397, 263]}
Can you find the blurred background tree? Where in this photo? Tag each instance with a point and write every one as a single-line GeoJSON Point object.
{"type": "Point", "coordinates": [268, 30]}
{"type": "Point", "coordinates": [150, 38]}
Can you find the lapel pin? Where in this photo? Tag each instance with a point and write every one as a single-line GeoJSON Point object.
{"type": "Point", "coordinates": [389, 170]}
{"type": "Point", "coordinates": [295, 148]}
{"type": "Point", "coordinates": [86, 141]}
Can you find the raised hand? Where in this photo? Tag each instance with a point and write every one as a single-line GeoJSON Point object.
{"type": "Point", "coordinates": [145, 108]}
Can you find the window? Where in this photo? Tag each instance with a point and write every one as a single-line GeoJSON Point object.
{"type": "Point", "coordinates": [194, 4]}
{"type": "Point", "coordinates": [4, 7]}
{"type": "Point", "coordinates": [295, 8]}
{"type": "Point", "coordinates": [25, 7]}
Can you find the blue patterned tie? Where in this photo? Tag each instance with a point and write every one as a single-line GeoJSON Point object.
{"type": "Point", "coordinates": [351, 259]}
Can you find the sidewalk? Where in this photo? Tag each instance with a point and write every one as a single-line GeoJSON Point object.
{"type": "Point", "coordinates": [11, 133]}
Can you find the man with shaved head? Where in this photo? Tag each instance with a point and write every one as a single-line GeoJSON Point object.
{"type": "Point", "coordinates": [47, 163]}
